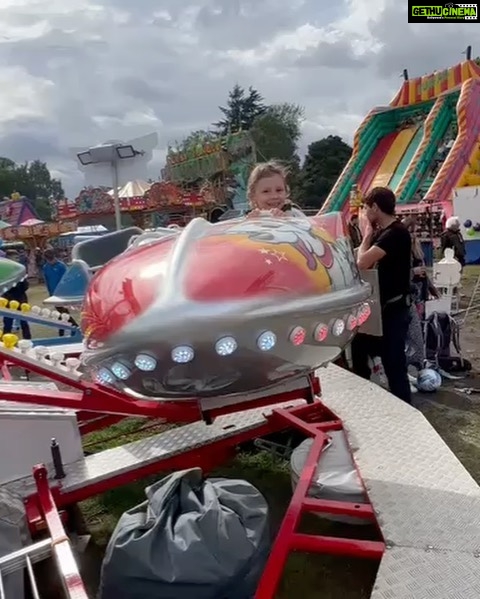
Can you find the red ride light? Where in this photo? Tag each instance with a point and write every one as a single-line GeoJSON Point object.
{"type": "Point", "coordinates": [297, 336]}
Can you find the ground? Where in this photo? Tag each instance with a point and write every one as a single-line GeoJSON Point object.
{"type": "Point", "coordinates": [455, 415]}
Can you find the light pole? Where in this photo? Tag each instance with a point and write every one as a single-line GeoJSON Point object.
{"type": "Point", "coordinates": [112, 154]}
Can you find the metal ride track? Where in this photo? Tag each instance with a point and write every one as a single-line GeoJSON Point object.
{"type": "Point", "coordinates": [426, 504]}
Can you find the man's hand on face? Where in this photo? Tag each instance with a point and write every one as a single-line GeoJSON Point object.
{"type": "Point", "coordinates": [364, 224]}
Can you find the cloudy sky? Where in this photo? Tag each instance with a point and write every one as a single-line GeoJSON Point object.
{"type": "Point", "coordinates": [79, 72]}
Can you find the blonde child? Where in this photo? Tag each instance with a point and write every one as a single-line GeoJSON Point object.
{"type": "Point", "coordinates": [268, 191]}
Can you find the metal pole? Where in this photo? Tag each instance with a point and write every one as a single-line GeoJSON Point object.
{"type": "Point", "coordinates": [116, 200]}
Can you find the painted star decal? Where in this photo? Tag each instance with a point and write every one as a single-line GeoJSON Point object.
{"type": "Point", "coordinates": [279, 256]}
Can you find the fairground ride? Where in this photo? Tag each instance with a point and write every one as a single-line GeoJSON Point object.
{"type": "Point", "coordinates": [423, 145]}
{"type": "Point", "coordinates": [222, 328]}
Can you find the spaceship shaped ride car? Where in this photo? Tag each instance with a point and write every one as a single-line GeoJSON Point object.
{"type": "Point", "coordinates": [222, 309]}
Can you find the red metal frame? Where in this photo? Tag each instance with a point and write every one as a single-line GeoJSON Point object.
{"type": "Point", "coordinates": [90, 399]}
{"type": "Point", "coordinates": [314, 420]}
{"type": "Point", "coordinates": [62, 550]}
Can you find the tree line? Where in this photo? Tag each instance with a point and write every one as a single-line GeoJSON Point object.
{"type": "Point", "coordinates": [32, 180]}
{"type": "Point", "coordinates": [276, 130]}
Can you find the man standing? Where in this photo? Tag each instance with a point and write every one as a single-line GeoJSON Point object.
{"type": "Point", "coordinates": [53, 271]}
{"type": "Point", "coordinates": [387, 244]}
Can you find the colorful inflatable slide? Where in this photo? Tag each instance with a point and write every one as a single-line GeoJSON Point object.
{"type": "Point", "coordinates": [423, 146]}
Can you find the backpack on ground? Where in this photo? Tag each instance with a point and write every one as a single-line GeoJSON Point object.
{"type": "Point", "coordinates": [441, 333]}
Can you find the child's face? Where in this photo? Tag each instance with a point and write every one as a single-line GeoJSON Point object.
{"type": "Point", "coordinates": [269, 193]}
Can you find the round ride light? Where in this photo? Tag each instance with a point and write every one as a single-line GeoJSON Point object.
{"type": "Point", "coordinates": [297, 336]}
{"type": "Point", "coordinates": [121, 371]}
{"type": "Point", "coordinates": [338, 327]}
{"type": "Point", "coordinates": [145, 362]}
{"type": "Point", "coordinates": [226, 346]}
{"type": "Point", "coordinates": [266, 341]}
{"type": "Point", "coordinates": [321, 332]}
{"type": "Point", "coordinates": [182, 354]}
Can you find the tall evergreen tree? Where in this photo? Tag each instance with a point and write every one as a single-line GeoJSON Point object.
{"type": "Point", "coordinates": [241, 110]}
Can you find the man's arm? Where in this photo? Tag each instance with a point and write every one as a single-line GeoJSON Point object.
{"type": "Point", "coordinates": [62, 268]}
{"type": "Point", "coordinates": [368, 255]}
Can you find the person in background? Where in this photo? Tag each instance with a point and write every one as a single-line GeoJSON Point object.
{"type": "Point", "coordinates": [422, 289]}
{"type": "Point", "coordinates": [39, 263]}
{"type": "Point", "coordinates": [387, 244]}
{"type": "Point", "coordinates": [19, 294]}
{"type": "Point", "coordinates": [452, 238]}
{"type": "Point", "coordinates": [53, 271]}
{"type": "Point", "coordinates": [422, 286]}
{"type": "Point", "coordinates": [354, 231]}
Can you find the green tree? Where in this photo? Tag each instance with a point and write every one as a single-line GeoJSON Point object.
{"type": "Point", "coordinates": [277, 132]}
{"type": "Point", "coordinates": [323, 164]}
{"type": "Point", "coordinates": [241, 110]}
{"type": "Point", "coordinates": [33, 180]}
{"type": "Point", "coordinates": [199, 137]}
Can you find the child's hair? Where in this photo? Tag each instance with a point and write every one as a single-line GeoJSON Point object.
{"type": "Point", "coordinates": [264, 170]}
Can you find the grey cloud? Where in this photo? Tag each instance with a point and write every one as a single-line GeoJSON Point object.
{"type": "Point", "coordinates": [21, 146]}
{"type": "Point", "coordinates": [177, 70]}
{"type": "Point", "coordinates": [333, 55]}
{"type": "Point", "coordinates": [421, 48]}
{"type": "Point", "coordinates": [138, 88]}
{"type": "Point", "coordinates": [245, 23]}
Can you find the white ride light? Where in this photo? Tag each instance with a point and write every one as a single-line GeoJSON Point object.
{"type": "Point", "coordinates": [182, 354]}
{"type": "Point", "coordinates": [121, 370]}
{"type": "Point", "coordinates": [226, 346]}
{"type": "Point", "coordinates": [65, 317]}
{"type": "Point", "coordinates": [105, 377]}
{"type": "Point", "coordinates": [338, 327]}
{"type": "Point", "coordinates": [55, 314]}
{"type": "Point", "coordinates": [297, 336]}
{"type": "Point", "coordinates": [321, 332]}
{"type": "Point", "coordinates": [46, 313]}
{"type": "Point", "coordinates": [36, 310]}
{"type": "Point", "coordinates": [266, 341]}
{"type": "Point", "coordinates": [145, 362]}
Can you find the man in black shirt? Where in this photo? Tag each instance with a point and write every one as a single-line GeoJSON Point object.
{"type": "Point", "coordinates": [387, 244]}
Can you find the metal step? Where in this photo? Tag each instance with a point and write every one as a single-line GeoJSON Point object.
{"type": "Point", "coordinates": [426, 503]}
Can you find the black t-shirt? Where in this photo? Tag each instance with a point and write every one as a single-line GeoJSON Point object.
{"type": "Point", "coordinates": [394, 274]}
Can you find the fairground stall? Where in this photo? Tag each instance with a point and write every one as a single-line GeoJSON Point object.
{"type": "Point", "coordinates": [142, 204]}
{"type": "Point", "coordinates": [217, 166]}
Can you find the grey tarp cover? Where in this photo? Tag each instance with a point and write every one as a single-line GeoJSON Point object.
{"type": "Point", "coordinates": [205, 539]}
{"type": "Point", "coordinates": [13, 536]}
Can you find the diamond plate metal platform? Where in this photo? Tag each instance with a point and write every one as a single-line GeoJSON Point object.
{"type": "Point", "coordinates": [427, 504]}
{"type": "Point", "coordinates": [120, 460]}
{"type": "Point", "coordinates": [407, 573]}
